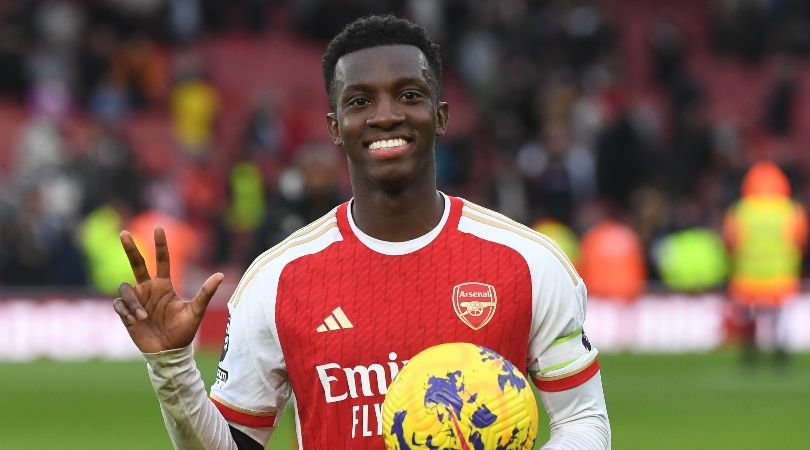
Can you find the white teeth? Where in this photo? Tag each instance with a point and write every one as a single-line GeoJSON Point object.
{"type": "Point", "coordinates": [387, 143]}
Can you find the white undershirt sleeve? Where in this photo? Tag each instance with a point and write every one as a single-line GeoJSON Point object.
{"type": "Point", "coordinates": [192, 420]}
{"type": "Point", "coordinates": [579, 419]}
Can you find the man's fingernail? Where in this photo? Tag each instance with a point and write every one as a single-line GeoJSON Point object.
{"type": "Point", "coordinates": [141, 314]}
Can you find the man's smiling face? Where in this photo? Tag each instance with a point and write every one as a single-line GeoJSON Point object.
{"type": "Point", "coordinates": [386, 115]}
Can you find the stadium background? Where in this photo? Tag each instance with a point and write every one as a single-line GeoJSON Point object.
{"type": "Point", "coordinates": [208, 117]}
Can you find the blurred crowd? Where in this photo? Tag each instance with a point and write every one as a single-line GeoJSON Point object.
{"type": "Point", "coordinates": [557, 136]}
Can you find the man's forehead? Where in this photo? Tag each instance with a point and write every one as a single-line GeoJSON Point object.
{"type": "Point", "coordinates": [359, 65]}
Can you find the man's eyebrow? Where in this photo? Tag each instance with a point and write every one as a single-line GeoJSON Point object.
{"type": "Point", "coordinates": [356, 87]}
{"type": "Point", "coordinates": [399, 83]}
{"type": "Point", "coordinates": [418, 81]}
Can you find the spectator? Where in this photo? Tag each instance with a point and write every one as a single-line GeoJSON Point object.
{"type": "Point", "coordinates": [138, 64]}
{"type": "Point", "coordinates": [37, 248]}
{"type": "Point", "coordinates": [738, 28]}
{"type": "Point", "coordinates": [508, 192]}
{"type": "Point", "coordinates": [621, 163]}
{"type": "Point", "coordinates": [612, 261]}
{"type": "Point", "coordinates": [24, 255]}
{"type": "Point", "coordinates": [265, 134]}
{"type": "Point", "coordinates": [185, 20]}
{"type": "Point", "coordinates": [692, 260]}
{"type": "Point", "coordinates": [557, 173]}
{"type": "Point", "coordinates": [781, 101]}
{"type": "Point", "coordinates": [109, 168]}
{"type": "Point", "coordinates": [194, 107]}
{"type": "Point", "coordinates": [95, 61]}
{"type": "Point", "coordinates": [767, 233]}
{"type": "Point", "coordinates": [40, 151]}
{"type": "Point", "coordinates": [247, 197]}
{"type": "Point", "coordinates": [306, 191]}
{"type": "Point", "coordinates": [97, 234]}
{"type": "Point", "coordinates": [12, 59]}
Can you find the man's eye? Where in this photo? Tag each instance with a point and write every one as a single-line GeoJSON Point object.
{"type": "Point", "coordinates": [359, 101]}
{"type": "Point", "coordinates": [411, 95]}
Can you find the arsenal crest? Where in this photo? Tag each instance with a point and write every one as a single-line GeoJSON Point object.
{"type": "Point", "coordinates": [474, 303]}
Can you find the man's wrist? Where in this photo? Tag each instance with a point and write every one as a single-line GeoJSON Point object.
{"type": "Point", "coordinates": [176, 357]}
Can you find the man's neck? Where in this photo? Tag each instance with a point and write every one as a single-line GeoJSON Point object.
{"type": "Point", "coordinates": [397, 217]}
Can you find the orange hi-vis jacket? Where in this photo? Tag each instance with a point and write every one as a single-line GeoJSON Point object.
{"type": "Point", "coordinates": [612, 262]}
{"type": "Point", "coordinates": [767, 232]}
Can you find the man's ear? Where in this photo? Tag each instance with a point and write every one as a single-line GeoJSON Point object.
{"type": "Point", "coordinates": [442, 116]}
{"type": "Point", "coordinates": [334, 129]}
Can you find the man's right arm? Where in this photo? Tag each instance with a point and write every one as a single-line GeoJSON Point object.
{"type": "Point", "coordinates": [162, 325]}
{"type": "Point", "coordinates": [192, 420]}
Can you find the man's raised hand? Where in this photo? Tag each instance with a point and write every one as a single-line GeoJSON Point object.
{"type": "Point", "coordinates": [155, 316]}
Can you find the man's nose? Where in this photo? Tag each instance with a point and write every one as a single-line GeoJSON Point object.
{"type": "Point", "coordinates": [387, 114]}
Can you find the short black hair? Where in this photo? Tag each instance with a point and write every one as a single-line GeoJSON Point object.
{"type": "Point", "coordinates": [375, 31]}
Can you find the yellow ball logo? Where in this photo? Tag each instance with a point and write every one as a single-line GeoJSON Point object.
{"type": "Point", "coordinates": [459, 396]}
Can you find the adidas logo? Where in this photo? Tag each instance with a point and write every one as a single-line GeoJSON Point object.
{"type": "Point", "coordinates": [336, 321]}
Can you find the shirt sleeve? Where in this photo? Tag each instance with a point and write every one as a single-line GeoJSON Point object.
{"type": "Point", "coordinates": [560, 355]}
{"type": "Point", "coordinates": [562, 362]}
{"type": "Point", "coordinates": [192, 421]}
{"type": "Point", "coordinates": [251, 387]}
{"type": "Point", "coordinates": [579, 419]}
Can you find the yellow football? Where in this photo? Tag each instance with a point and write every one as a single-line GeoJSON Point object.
{"type": "Point", "coordinates": [459, 396]}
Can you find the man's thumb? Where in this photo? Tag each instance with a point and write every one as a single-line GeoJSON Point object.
{"type": "Point", "coordinates": [206, 293]}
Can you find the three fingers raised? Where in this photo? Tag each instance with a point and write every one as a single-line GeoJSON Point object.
{"type": "Point", "coordinates": [128, 305]}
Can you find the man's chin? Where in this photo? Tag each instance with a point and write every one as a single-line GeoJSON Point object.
{"type": "Point", "coordinates": [396, 176]}
{"type": "Point", "coordinates": [394, 181]}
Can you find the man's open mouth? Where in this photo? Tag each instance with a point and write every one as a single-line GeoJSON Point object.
{"type": "Point", "coordinates": [387, 143]}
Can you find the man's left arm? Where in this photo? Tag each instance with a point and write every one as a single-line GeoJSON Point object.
{"type": "Point", "coordinates": [563, 364]}
{"type": "Point", "coordinates": [578, 416]}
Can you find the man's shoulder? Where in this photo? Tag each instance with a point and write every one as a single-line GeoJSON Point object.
{"type": "Point", "coordinates": [492, 225]}
{"type": "Point", "coordinates": [264, 273]}
{"type": "Point", "coordinates": [536, 248]}
{"type": "Point", "coordinates": [307, 240]}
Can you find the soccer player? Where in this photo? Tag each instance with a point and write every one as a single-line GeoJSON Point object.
{"type": "Point", "coordinates": [331, 314]}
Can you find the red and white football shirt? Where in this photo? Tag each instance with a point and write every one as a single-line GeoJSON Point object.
{"type": "Point", "coordinates": [331, 315]}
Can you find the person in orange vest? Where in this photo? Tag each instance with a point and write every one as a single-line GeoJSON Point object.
{"type": "Point", "coordinates": [766, 232]}
{"type": "Point", "coordinates": [612, 262]}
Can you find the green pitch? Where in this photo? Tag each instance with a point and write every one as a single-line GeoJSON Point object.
{"type": "Point", "coordinates": [662, 402]}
